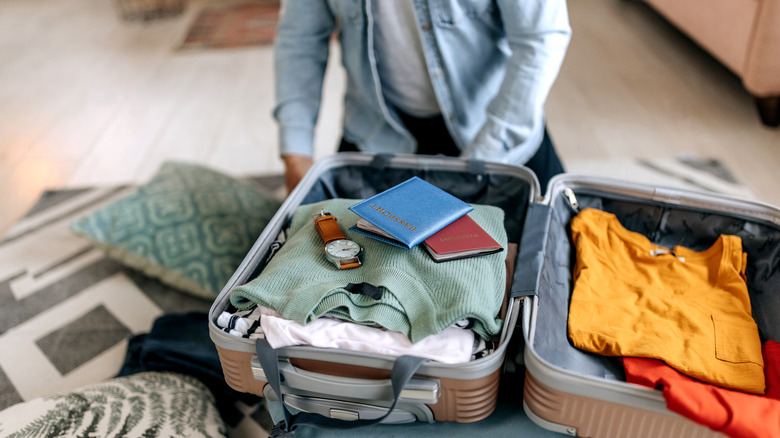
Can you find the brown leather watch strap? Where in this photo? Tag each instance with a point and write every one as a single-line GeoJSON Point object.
{"type": "Point", "coordinates": [350, 265]}
{"type": "Point", "coordinates": [328, 228]}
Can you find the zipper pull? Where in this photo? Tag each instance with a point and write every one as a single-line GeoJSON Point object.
{"type": "Point", "coordinates": [569, 193]}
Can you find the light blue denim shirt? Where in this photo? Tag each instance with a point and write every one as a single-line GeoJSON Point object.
{"type": "Point", "coordinates": [492, 64]}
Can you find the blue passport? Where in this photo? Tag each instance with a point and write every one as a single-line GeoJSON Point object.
{"type": "Point", "coordinates": [408, 213]}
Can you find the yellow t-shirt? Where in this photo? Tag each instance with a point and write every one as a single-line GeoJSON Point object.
{"type": "Point", "coordinates": [690, 309]}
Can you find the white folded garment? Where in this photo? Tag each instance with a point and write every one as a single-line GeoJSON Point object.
{"type": "Point", "coordinates": [452, 345]}
{"type": "Point", "coordinates": [456, 344]}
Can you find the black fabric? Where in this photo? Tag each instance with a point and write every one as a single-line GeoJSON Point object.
{"type": "Point", "coordinates": [433, 138]}
{"type": "Point", "coordinates": [366, 289]}
{"type": "Point", "coordinates": [432, 135]}
{"type": "Point", "coordinates": [181, 343]}
{"type": "Point", "coordinates": [347, 146]}
{"type": "Point", "coordinates": [545, 163]}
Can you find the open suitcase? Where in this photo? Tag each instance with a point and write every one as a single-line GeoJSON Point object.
{"type": "Point", "coordinates": [578, 393]}
{"type": "Point", "coordinates": [349, 385]}
{"type": "Point", "coordinates": [566, 390]}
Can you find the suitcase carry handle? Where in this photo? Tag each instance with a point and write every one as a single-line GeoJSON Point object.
{"type": "Point", "coordinates": [403, 370]}
{"type": "Point", "coordinates": [418, 389]}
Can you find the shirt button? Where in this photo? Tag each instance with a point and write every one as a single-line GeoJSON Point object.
{"type": "Point", "coordinates": [426, 26]}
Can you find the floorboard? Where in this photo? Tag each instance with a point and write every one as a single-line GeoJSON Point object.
{"type": "Point", "coordinates": [86, 99]}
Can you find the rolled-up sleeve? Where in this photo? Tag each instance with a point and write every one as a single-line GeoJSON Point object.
{"type": "Point", "coordinates": [301, 52]}
{"type": "Point", "coordinates": [538, 34]}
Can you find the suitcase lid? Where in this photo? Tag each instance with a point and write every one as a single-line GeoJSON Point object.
{"type": "Point", "coordinates": [666, 216]}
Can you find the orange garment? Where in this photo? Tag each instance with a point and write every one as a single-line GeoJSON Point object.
{"type": "Point", "coordinates": [690, 309]}
{"type": "Point", "coordinates": [733, 413]}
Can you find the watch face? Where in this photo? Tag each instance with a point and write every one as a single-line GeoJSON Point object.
{"type": "Point", "coordinates": [343, 249]}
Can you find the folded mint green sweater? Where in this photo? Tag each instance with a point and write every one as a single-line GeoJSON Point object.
{"type": "Point", "coordinates": [420, 297]}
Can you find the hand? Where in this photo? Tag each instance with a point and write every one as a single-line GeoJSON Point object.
{"type": "Point", "coordinates": [296, 167]}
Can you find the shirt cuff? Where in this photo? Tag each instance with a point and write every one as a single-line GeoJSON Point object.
{"type": "Point", "coordinates": [296, 141]}
{"type": "Point", "coordinates": [498, 144]}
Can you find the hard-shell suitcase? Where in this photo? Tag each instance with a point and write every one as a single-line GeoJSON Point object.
{"type": "Point", "coordinates": [348, 385]}
{"type": "Point", "coordinates": [565, 390]}
{"type": "Point", "coordinates": [582, 394]}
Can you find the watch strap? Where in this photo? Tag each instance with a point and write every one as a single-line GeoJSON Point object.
{"type": "Point", "coordinates": [328, 228]}
{"type": "Point", "coordinates": [349, 265]}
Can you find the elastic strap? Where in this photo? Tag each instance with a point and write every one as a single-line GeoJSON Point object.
{"type": "Point", "coordinates": [532, 252]}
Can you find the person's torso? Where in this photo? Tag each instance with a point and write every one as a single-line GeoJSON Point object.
{"type": "Point", "coordinates": [465, 52]}
{"type": "Point", "coordinates": [401, 64]}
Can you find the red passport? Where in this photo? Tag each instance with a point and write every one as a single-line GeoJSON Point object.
{"type": "Point", "coordinates": [460, 239]}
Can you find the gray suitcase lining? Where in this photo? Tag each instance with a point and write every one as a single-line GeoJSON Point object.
{"type": "Point", "coordinates": [664, 225]}
{"type": "Point", "coordinates": [475, 187]}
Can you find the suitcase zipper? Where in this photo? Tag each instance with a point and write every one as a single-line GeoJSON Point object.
{"type": "Point", "coordinates": [569, 193]}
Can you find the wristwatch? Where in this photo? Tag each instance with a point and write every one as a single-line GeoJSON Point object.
{"type": "Point", "coordinates": [344, 253]}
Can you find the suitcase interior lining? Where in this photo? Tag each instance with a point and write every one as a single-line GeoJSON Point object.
{"type": "Point", "coordinates": [511, 192]}
{"type": "Point", "coordinates": [663, 225]}
{"type": "Point", "coordinates": [359, 182]}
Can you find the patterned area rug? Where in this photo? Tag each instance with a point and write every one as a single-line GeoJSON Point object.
{"type": "Point", "coordinates": [67, 312]}
{"type": "Point", "coordinates": [232, 26]}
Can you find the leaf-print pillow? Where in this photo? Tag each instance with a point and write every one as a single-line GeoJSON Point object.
{"type": "Point", "coordinates": [150, 404]}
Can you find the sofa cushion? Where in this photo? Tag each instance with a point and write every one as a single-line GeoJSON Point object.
{"type": "Point", "coordinates": [723, 27]}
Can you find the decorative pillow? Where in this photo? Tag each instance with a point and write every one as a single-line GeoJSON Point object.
{"type": "Point", "coordinates": [190, 227]}
{"type": "Point", "coordinates": [148, 404]}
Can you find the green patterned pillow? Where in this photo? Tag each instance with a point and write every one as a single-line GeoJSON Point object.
{"type": "Point", "coordinates": [189, 226]}
{"type": "Point", "coordinates": [150, 404]}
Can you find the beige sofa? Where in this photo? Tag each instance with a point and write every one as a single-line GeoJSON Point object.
{"type": "Point", "coordinates": [742, 34]}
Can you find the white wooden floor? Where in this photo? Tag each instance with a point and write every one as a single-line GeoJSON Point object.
{"type": "Point", "coordinates": [86, 98]}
